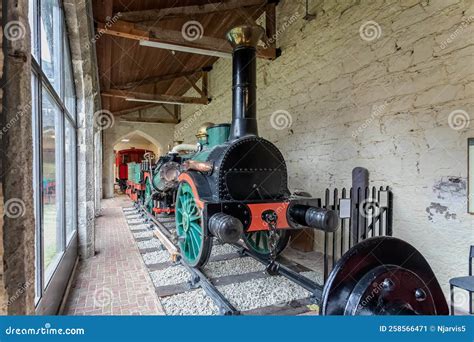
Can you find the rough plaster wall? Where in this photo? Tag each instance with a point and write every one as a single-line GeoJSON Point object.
{"type": "Point", "coordinates": [382, 104]}
{"type": "Point", "coordinates": [160, 135]}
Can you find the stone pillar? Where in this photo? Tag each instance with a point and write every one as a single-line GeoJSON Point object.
{"type": "Point", "coordinates": [80, 30]}
{"type": "Point", "coordinates": [17, 249]}
{"type": "Point", "coordinates": [108, 170]}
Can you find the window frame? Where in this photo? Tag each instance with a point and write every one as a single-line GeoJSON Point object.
{"type": "Point", "coordinates": [68, 244]}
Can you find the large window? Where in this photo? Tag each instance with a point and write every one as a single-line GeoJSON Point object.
{"type": "Point", "coordinates": [54, 136]}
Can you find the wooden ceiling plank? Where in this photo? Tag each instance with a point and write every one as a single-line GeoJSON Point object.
{"type": "Point", "coordinates": [121, 94]}
{"type": "Point", "coordinates": [173, 12]}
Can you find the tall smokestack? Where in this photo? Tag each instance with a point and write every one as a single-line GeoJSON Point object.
{"type": "Point", "coordinates": [244, 41]}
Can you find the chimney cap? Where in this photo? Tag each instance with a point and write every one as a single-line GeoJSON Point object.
{"type": "Point", "coordinates": [245, 35]}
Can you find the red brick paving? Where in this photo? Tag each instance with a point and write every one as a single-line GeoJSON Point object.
{"type": "Point", "coordinates": [115, 281]}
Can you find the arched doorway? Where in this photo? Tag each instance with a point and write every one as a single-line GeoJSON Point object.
{"type": "Point", "coordinates": [135, 140]}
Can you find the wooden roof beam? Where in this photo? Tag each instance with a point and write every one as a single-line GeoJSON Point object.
{"type": "Point", "coordinates": [134, 109]}
{"type": "Point", "coordinates": [173, 12]}
{"type": "Point", "coordinates": [174, 38]}
{"type": "Point", "coordinates": [157, 79]}
{"type": "Point", "coordinates": [144, 97]}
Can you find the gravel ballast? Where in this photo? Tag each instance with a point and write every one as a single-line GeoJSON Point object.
{"type": "Point", "coordinates": [141, 235]}
{"type": "Point", "coordinates": [171, 275]}
{"type": "Point", "coordinates": [222, 249]}
{"type": "Point", "coordinates": [217, 269]}
{"type": "Point", "coordinates": [194, 303]}
{"type": "Point", "coordinates": [152, 243]}
{"type": "Point", "coordinates": [156, 257]}
{"type": "Point", "coordinates": [135, 221]}
{"type": "Point", "coordinates": [262, 292]}
{"type": "Point", "coordinates": [138, 227]}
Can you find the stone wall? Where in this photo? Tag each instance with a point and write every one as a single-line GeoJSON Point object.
{"type": "Point", "coordinates": [16, 151]}
{"type": "Point", "coordinates": [80, 31]}
{"type": "Point", "coordinates": [387, 86]}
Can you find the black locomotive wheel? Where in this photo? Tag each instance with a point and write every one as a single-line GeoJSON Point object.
{"type": "Point", "coordinates": [257, 242]}
{"type": "Point", "coordinates": [383, 276]}
{"type": "Point", "coordinates": [194, 244]}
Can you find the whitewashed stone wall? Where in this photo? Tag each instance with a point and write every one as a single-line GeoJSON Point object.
{"type": "Point", "coordinates": [381, 99]}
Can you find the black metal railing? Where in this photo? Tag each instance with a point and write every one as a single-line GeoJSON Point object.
{"type": "Point", "coordinates": [364, 214]}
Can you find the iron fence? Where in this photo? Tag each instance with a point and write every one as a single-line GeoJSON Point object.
{"type": "Point", "coordinates": [363, 213]}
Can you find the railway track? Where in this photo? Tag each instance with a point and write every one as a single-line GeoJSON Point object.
{"type": "Point", "coordinates": [229, 284]}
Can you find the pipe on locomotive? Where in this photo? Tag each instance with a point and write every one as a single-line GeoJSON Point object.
{"type": "Point", "coordinates": [244, 40]}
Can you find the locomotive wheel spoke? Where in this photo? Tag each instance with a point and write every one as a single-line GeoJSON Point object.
{"type": "Point", "coordinates": [195, 248]}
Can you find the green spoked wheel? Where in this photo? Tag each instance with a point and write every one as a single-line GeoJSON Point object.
{"type": "Point", "coordinates": [194, 245]}
{"type": "Point", "coordinates": [259, 244]}
{"type": "Point", "coordinates": [148, 202]}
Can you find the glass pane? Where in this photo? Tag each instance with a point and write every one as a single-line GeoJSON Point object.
{"type": "Point", "coordinates": [69, 93]}
{"type": "Point", "coordinates": [70, 178]}
{"type": "Point", "coordinates": [51, 42]}
{"type": "Point", "coordinates": [51, 172]}
{"type": "Point", "coordinates": [33, 19]}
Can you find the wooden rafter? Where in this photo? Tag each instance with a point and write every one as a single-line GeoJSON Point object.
{"type": "Point", "coordinates": [122, 94]}
{"type": "Point", "coordinates": [139, 32]}
{"type": "Point", "coordinates": [173, 12]}
{"type": "Point", "coordinates": [143, 120]}
{"type": "Point", "coordinates": [156, 79]}
{"type": "Point", "coordinates": [174, 113]}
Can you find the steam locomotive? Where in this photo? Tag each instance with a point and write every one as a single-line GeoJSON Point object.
{"type": "Point", "coordinates": [236, 187]}
{"type": "Point", "coordinates": [153, 183]}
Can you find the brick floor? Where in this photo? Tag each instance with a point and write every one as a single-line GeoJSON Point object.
{"type": "Point", "coordinates": [115, 281]}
